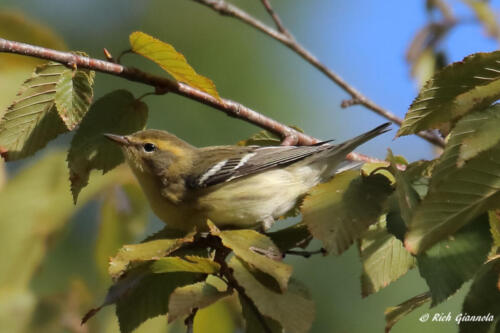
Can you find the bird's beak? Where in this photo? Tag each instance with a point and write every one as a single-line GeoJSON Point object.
{"type": "Point", "coordinates": [121, 140]}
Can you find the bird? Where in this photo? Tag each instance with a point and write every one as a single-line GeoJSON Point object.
{"type": "Point", "coordinates": [232, 186]}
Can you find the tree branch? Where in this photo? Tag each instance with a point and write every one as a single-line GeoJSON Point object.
{"type": "Point", "coordinates": [289, 135]}
{"type": "Point", "coordinates": [283, 36]}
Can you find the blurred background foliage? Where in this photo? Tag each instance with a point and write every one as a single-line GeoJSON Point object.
{"type": "Point", "coordinates": [55, 255]}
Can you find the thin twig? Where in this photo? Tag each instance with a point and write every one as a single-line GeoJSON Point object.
{"type": "Point", "coordinates": [276, 18]}
{"type": "Point", "coordinates": [231, 10]}
{"type": "Point", "coordinates": [289, 135]}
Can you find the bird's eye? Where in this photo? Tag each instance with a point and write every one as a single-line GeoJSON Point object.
{"type": "Point", "coordinates": [149, 147]}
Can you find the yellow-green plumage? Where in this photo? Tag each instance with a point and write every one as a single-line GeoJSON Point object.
{"type": "Point", "coordinates": [232, 186]}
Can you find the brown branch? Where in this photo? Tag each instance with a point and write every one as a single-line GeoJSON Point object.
{"type": "Point", "coordinates": [163, 84]}
{"type": "Point", "coordinates": [285, 38]}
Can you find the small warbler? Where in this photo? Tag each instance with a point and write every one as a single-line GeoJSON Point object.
{"type": "Point", "coordinates": [233, 186]}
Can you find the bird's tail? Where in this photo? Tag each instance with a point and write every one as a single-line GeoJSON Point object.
{"type": "Point", "coordinates": [338, 152]}
{"type": "Point", "coordinates": [351, 144]}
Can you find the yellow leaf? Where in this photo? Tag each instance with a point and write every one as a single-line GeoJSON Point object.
{"type": "Point", "coordinates": [171, 61]}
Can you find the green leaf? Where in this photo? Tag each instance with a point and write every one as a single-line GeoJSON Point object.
{"type": "Point", "coordinates": [395, 223]}
{"type": "Point", "coordinates": [34, 206]}
{"type": "Point", "coordinates": [185, 299]}
{"type": "Point", "coordinates": [456, 194]}
{"type": "Point", "coordinates": [294, 311]}
{"type": "Point", "coordinates": [117, 112]}
{"type": "Point", "coordinates": [31, 121]}
{"type": "Point", "coordinates": [483, 133]}
{"type": "Point", "coordinates": [265, 138]}
{"type": "Point", "coordinates": [173, 62]}
{"type": "Point", "coordinates": [408, 198]}
{"type": "Point", "coordinates": [453, 261]}
{"type": "Point", "coordinates": [483, 299]}
{"type": "Point", "coordinates": [494, 218]}
{"type": "Point", "coordinates": [123, 217]}
{"type": "Point", "coordinates": [460, 88]}
{"type": "Point", "coordinates": [296, 235]}
{"type": "Point", "coordinates": [15, 25]}
{"type": "Point", "coordinates": [411, 186]}
{"type": "Point", "coordinates": [138, 253]}
{"type": "Point", "coordinates": [339, 211]}
{"type": "Point", "coordinates": [383, 257]}
{"type": "Point", "coordinates": [421, 54]}
{"type": "Point", "coordinates": [254, 322]}
{"type": "Point", "coordinates": [149, 298]}
{"type": "Point", "coordinates": [395, 313]}
{"type": "Point", "coordinates": [74, 94]}
{"type": "Point", "coordinates": [191, 264]}
{"type": "Point", "coordinates": [486, 15]}
{"type": "Point", "coordinates": [259, 252]}
{"type": "Point", "coordinates": [140, 295]}
{"type": "Point", "coordinates": [17, 307]}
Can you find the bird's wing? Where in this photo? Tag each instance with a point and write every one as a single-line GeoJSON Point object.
{"type": "Point", "coordinates": [232, 163]}
{"type": "Point", "coordinates": [227, 163]}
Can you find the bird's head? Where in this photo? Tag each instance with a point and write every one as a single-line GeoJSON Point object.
{"type": "Point", "coordinates": [152, 151]}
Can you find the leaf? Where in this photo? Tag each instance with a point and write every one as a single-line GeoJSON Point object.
{"type": "Point", "coordinates": [407, 196]}
{"type": "Point", "coordinates": [35, 205]}
{"type": "Point", "coordinates": [456, 194]}
{"type": "Point", "coordinates": [486, 15]}
{"type": "Point", "coordinates": [259, 252]}
{"type": "Point", "coordinates": [411, 186]}
{"type": "Point", "coordinates": [140, 295]}
{"type": "Point", "coordinates": [292, 310]}
{"type": "Point", "coordinates": [296, 235]}
{"type": "Point", "coordinates": [453, 261]}
{"type": "Point", "coordinates": [494, 219]}
{"type": "Point", "coordinates": [74, 94]}
{"type": "Point", "coordinates": [483, 133]}
{"type": "Point", "coordinates": [339, 211]}
{"type": "Point", "coordinates": [173, 62]}
{"type": "Point", "coordinates": [483, 299]}
{"type": "Point", "coordinates": [17, 307]}
{"type": "Point", "coordinates": [118, 113]}
{"type": "Point", "coordinates": [191, 264]}
{"type": "Point", "coordinates": [253, 322]}
{"type": "Point", "coordinates": [138, 253]}
{"type": "Point", "coordinates": [383, 257]}
{"type": "Point", "coordinates": [421, 54]}
{"type": "Point", "coordinates": [460, 88]}
{"type": "Point", "coordinates": [265, 138]}
{"type": "Point", "coordinates": [395, 313]}
{"type": "Point", "coordinates": [31, 121]}
{"type": "Point", "coordinates": [15, 25]}
{"type": "Point", "coordinates": [123, 217]}
{"type": "Point", "coordinates": [185, 299]}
